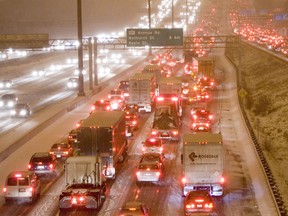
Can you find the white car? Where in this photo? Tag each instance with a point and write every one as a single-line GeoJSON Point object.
{"type": "Point", "coordinates": [72, 83]}
{"type": "Point", "coordinates": [149, 172]}
{"type": "Point", "coordinates": [38, 73]}
{"type": "Point", "coordinates": [152, 145]}
{"type": "Point", "coordinates": [22, 185]}
{"type": "Point", "coordinates": [5, 84]}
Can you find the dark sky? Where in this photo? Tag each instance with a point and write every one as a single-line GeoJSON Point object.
{"type": "Point", "coordinates": [59, 17]}
{"type": "Point", "coordinates": [271, 4]}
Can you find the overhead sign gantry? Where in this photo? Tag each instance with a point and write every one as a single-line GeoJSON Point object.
{"type": "Point", "coordinates": [154, 37]}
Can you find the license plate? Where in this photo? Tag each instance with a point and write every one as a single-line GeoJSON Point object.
{"type": "Point", "coordinates": [199, 206]}
{"type": "Point", "coordinates": [147, 174]}
{"type": "Point", "coordinates": [58, 156]}
{"type": "Point", "coordinates": [40, 167]}
{"type": "Point", "coordinates": [22, 189]}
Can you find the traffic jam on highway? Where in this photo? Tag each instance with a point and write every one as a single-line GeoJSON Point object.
{"type": "Point", "coordinates": [98, 143]}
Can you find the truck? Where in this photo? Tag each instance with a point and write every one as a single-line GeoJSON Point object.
{"type": "Point", "coordinates": [166, 123]}
{"type": "Point", "coordinates": [85, 184]}
{"type": "Point", "coordinates": [142, 91]}
{"type": "Point", "coordinates": [103, 134]}
{"type": "Point", "coordinates": [157, 70]}
{"type": "Point", "coordinates": [205, 66]}
{"type": "Point", "coordinates": [170, 90]}
{"type": "Point", "coordinates": [202, 161]}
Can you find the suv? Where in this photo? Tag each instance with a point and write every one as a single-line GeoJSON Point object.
{"type": "Point", "coordinates": [22, 185]}
{"type": "Point", "coordinates": [43, 163]}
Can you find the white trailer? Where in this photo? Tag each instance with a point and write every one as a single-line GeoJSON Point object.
{"type": "Point", "coordinates": [142, 91]}
{"type": "Point", "coordinates": [203, 160]}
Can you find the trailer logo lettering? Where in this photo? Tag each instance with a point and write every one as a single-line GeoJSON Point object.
{"type": "Point", "coordinates": [194, 156]}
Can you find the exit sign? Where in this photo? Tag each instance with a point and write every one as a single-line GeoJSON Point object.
{"type": "Point", "coordinates": [154, 37]}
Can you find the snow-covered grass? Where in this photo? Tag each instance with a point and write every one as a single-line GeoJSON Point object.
{"type": "Point", "coordinates": [265, 79]}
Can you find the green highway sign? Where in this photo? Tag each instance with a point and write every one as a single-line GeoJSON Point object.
{"type": "Point", "coordinates": [154, 37]}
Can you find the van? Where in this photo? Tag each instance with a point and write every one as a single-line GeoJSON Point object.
{"type": "Point", "coordinates": [22, 186]}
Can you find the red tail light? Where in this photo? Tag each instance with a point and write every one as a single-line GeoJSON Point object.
{"type": "Point", "coordinates": [160, 98]}
{"type": "Point", "coordinates": [4, 189]}
{"type": "Point", "coordinates": [154, 132]}
{"type": "Point", "coordinates": [29, 166]}
{"type": "Point", "coordinates": [158, 173]}
{"type": "Point", "coordinates": [137, 173]}
{"type": "Point", "coordinates": [31, 189]}
{"type": "Point", "coordinates": [175, 132]}
{"type": "Point", "coordinates": [51, 166]}
{"type": "Point", "coordinates": [174, 98]}
{"type": "Point", "coordinates": [183, 180]}
{"type": "Point", "coordinates": [222, 180]}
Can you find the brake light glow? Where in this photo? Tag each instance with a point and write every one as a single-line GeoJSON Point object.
{"type": "Point", "coordinates": [174, 98]}
{"type": "Point", "coordinates": [183, 180]}
{"type": "Point", "coordinates": [4, 189]}
{"type": "Point", "coordinates": [160, 98]}
{"type": "Point", "coordinates": [154, 132]}
{"type": "Point", "coordinates": [31, 189]}
{"type": "Point", "coordinates": [175, 132]}
{"type": "Point", "coordinates": [158, 173]}
{"type": "Point", "coordinates": [222, 180]}
{"type": "Point", "coordinates": [51, 166]}
{"type": "Point", "coordinates": [18, 175]}
{"type": "Point", "coordinates": [191, 205]}
{"type": "Point", "coordinates": [29, 166]}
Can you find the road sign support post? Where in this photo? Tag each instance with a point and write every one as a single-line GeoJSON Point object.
{"type": "Point", "coordinates": [80, 49]}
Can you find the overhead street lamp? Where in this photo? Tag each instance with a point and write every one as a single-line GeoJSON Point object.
{"type": "Point", "coordinates": [80, 49]}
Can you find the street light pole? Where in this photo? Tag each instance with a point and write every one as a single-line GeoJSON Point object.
{"type": "Point", "coordinates": [149, 18]}
{"type": "Point", "coordinates": [80, 49]}
{"type": "Point", "coordinates": [172, 13]}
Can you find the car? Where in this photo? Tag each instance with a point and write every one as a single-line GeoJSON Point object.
{"type": "Point", "coordinates": [149, 171]}
{"type": "Point", "coordinates": [5, 84]}
{"type": "Point", "coordinates": [152, 157]}
{"type": "Point", "coordinates": [201, 114]}
{"type": "Point", "coordinates": [43, 163]}
{"type": "Point", "coordinates": [39, 73]}
{"type": "Point", "coordinates": [72, 83]}
{"type": "Point", "coordinates": [206, 82]}
{"type": "Point", "coordinates": [8, 101]}
{"type": "Point", "coordinates": [22, 186]}
{"type": "Point", "coordinates": [72, 137]}
{"type": "Point", "coordinates": [131, 119]}
{"type": "Point", "coordinates": [134, 209]}
{"type": "Point", "coordinates": [21, 110]}
{"type": "Point", "coordinates": [103, 105]}
{"type": "Point", "coordinates": [128, 131]}
{"type": "Point", "coordinates": [152, 145]}
{"type": "Point", "coordinates": [198, 202]}
{"type": "Point", "coordinates": [61, 150]}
